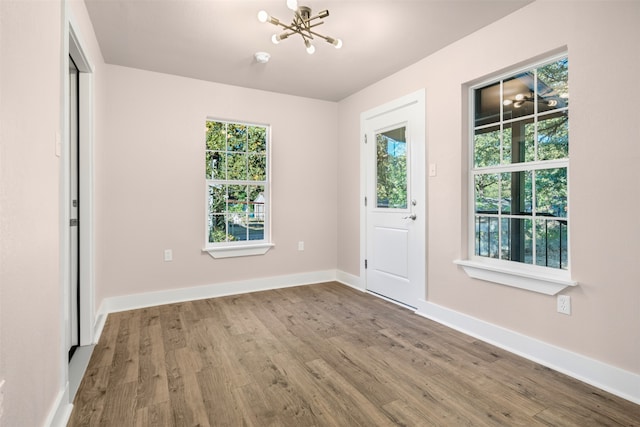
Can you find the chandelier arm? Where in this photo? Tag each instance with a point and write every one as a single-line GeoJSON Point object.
{"type": "Point", "coordinates": [315, 25]}
{"type": "Point", "coordinates": [326, 38]}
{"type": "Point", "coordinates": [287, 27]}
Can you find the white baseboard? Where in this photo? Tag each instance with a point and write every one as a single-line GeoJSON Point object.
{"type": "Point", "coordinates": [349, 280]}
{"type": "Point", "coordinates": [61, 409]}
{"type": "Point", "coordinates": [150, 299]}
{"type": "Point", "coordinates": [614, 380]}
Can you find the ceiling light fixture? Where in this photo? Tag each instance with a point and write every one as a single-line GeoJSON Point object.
{"type": "Point", "coordinates": [520, 99]}
{"type": "Point", "coordinates": [303, 23]}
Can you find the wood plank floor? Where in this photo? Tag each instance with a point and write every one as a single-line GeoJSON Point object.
{"type": "Point", "coordinates": [319, 355]}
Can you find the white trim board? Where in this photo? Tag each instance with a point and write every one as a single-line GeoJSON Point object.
{"type": "Point", "coordinates": [150, 299]}
{"type": "Point", "coordinates": [614, 380]}
{"type": "Point", "coordinates": [349, 280]}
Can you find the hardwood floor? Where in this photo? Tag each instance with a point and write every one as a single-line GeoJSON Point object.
{"type": "Point", "coordinates": [319, 355]}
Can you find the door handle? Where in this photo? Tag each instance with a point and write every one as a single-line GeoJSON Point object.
{"type": "Point", "coordinates": [411, 217]}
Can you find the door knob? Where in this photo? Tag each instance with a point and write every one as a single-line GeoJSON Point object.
{"type": "Point", "coordinates": [412, 217]}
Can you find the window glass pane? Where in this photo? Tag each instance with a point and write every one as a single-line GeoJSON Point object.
{"type": "Point", "coordinates": [518, 142]}
{"type": "Point", "coordinates": [256, 212]}
{"type": "Point", "coordinates": [518, 96]}
{"type": "Point", "coordinates": [237, 166]}
{"type": "Point", "coordinates": [237, 226]}
{"type": "Point", "coordinates": [487, 104]}
{"type": "Point", "coordinates": [216, 136]}
{"type": "Point", "coordinates": [505, 238]}
{"type": "Point", "coordinates": [551, 243]}
{"type": "Point", "coordinates": [257, 167]}
{"type": "Point", "coordinates": [553, 136]}
{"type": "Point", "coordinates": [553, 85]}
{"type": "Point", "coordinates": [487, 193]}
{"type": "Point", "coordinates": [217, 199]}
{"type": "Point", "coordinates": [257, 139]}
{"type": "Point", "coordinates": [237, 199]}
{"type": "Point", "coordinates": [517, 192]}
{"type": "Point", "coordinates": [237, 137]}
{"type": "Point", "coordinates": [486, 147]}
{"type": "Point", "coordinates": [237, 212]}
{"type": "Point", "coordinates": [517, 239]}
{"type": "Point", "coordinates": [505, 193]}
{"type": "Point", "coordinates": [391, 179]}
{"type": "Point", "coordinates": [486, 236]}
{"type": "Point", "coordinates": [215, 165]}
{"type": "Point", "coordinates": [217, 229]}
{"type": "Point", "coordinates": [551, 192]}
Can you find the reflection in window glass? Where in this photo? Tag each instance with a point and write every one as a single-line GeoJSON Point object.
{"type": "Point", "coordinates": [391, 169]}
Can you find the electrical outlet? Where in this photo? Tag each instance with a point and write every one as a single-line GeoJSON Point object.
{"type": "Point", "coordinates": [564, 304]}
{"type": "Point", "coordinates": [168, 255]}
{"type": "Point", "coordinates": [301, 245]}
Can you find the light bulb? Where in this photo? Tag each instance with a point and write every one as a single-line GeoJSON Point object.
{"type": "Point", "coordinates": [292, 4]}
{"type": "Point", "coordinates": [275, 39]}
{"type": "Point", "coordinates": [263, 16]}
{"type": "Point", "coordinates": [338, 43]}
{"type": "Point", "coordinates": [311, 49]}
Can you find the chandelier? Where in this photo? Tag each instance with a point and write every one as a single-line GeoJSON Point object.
{"type": "Point", "coordinates": [303, 24]}
{"type": "Point", "coordinates": [519, 100]}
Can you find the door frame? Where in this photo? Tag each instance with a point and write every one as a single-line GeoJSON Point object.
{"type": "Point", "coordinates": [418, 97]}
{"type": "Point", "coordinates": [73, 46]}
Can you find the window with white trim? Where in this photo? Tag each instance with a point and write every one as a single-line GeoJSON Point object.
{"type": "Point", "coordinates": [237, 188]}
{"type": "Point", "coordinates": [519, 168]}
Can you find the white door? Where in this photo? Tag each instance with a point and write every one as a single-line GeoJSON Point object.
{"type": "Point", "coordinates": [394, 157]}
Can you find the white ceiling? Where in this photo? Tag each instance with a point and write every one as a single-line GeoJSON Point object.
{"type": "Point", "coordinates": [216, 40]}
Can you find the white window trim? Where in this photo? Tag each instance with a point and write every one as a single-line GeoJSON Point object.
{"type": "Point", "coordinates": [251, 247]}
{"type": "Point", "coordinates": [239, 250]}
{"type": "Point", "coordinates": [549, 281]}
{"type": "Point", "coordinates": [544, 280]}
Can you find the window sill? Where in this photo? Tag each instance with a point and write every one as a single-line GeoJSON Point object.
{"type": "Point", "coordinates": [544, 282]}
{"type": "Point", "coordinates": [238, 251]}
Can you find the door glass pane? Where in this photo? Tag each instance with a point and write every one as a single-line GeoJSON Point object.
{"type": "Point", "coordinates": [391, 175]}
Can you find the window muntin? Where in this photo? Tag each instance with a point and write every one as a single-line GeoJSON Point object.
{"type": "Point", "coordinates": [236, 172]}
{"type": "Point", "coordinates": [520, 159]}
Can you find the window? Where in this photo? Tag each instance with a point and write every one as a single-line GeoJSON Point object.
{"type": "Point", "coordinates": [237, 178]}
{"type": "Point", "coordinates": [518, 169]}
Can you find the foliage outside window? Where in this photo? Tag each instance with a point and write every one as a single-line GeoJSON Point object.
{"type": "Point", "coordinates": [391, 169]}
{"type": "Point", "coordinates": [520, 159]}
{"type": "Point", "coordinates": [236, 173]}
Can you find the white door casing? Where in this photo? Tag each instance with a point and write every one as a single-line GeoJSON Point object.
{"type": "Point", "coordinates": [393, 237]}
